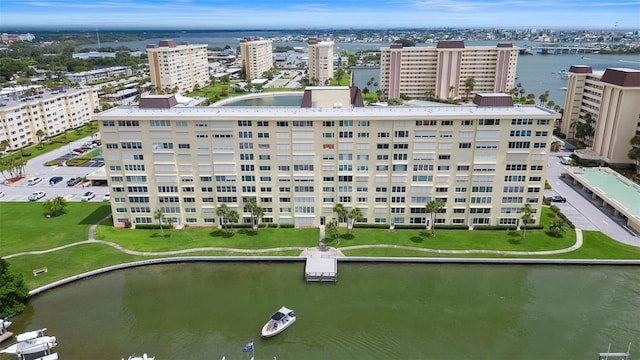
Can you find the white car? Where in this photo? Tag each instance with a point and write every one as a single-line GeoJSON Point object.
{"type": "Point", "coordinates": [88, 196]}
{"type": "Point", "coordinates": [107, 197]}
{"type": "Point", "coordinates": [34, 180]}
{"type": "Point", "coordinates": [37, 195]}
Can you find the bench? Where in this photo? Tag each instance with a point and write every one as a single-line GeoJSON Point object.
{"type": "Point", "coordinates": [39, 270]}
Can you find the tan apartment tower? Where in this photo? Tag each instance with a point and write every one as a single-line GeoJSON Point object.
{"type": "Point", "coordinates": [180, 67]}
{"type": "Point", "coordinates": [320, 62]}
{"type": "Point", "coordinates": [485, 161]}
{"type": "Point", "coordinates": [257, 57]}
{"type": "Point", "coordinates": [441, 71]}
{"type": "Point", "coordinates": [611, 99]}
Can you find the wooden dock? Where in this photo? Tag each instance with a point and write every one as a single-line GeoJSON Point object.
{"type": "Point", "coordinates": [5, 335]}
{"type": "Point", "coordinates": [321, 269]}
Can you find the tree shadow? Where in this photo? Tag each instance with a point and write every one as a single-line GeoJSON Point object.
{"type": "Point", "coordinates": [248, 232]}
{"type": "Point", "coordinates": [514, 237]}
{"type": "Point", "coordinates": [346, 237]}
{"type": "Point", "coordinates": [220, 233]}
{"type": "Point", "coordinates": [417, 239]}
{"type": "Point", "coordinates": [425, 233]}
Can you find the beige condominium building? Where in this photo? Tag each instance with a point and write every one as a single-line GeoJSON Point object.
{"type": "Point", "coordinates": [441, 71]}
{"type": "Point", "coordinates": [612, 99]}
{"type": "Point", "coordinates": [52, 112]}
{"type": "Point", "coordinates": [256, 56]}
{"type": "Point", "coordinates": [485, 160]}
{"type": "Point", "coordinates": [179, 67]}
{"type": "Point", "coordinates": [320, 61]}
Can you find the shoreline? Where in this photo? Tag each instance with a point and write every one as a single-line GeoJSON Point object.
{"type": "Point", "coordinates": [355, 259]}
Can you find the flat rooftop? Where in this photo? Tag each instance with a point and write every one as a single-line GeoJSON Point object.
{"type": "Point", "coordinates": [262, 112]}
{"type": "Point", "coordinates": [615, 186]}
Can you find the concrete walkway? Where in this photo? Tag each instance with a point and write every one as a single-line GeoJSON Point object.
{"type": "Point", "coordinates": [318, 251]}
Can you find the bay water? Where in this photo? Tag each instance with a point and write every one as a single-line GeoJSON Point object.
{"type": "Point", "coordinates": [374, 311]}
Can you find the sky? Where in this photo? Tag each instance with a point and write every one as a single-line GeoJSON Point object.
{"type": "Point", "coordinates": [317, 14]}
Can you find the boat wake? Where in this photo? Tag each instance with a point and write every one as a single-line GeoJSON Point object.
{"type": "Point", "coordinates": [630, 61]}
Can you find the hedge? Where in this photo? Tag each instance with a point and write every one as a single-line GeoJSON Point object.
{"type": "Point", "coordinates": [409, 226]}
{"type": "Point", "coordinates": [494, 227]}
{"type": "Point", "coordinates": [272, 226]}
{"type": "Point", "coordinates": [240, 226]}
{"type": "Point", "coordinates": [152, 226]}
{"type": "Point", "coordinates": [53, 163]}
{"type": "Point", "coordinates": [452, 227]}
{"type": "Point", "coordinates": [76, 162]}
{"type": "Point", "coordinates": [371, 226]}
{"type": "Point", "coordinates": [286, 226]}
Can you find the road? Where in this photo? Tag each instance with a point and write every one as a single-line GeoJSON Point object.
{"type": "Point", "coordinates": [585, 213]}
{"type": "Point", "coordinates": [35, 167]}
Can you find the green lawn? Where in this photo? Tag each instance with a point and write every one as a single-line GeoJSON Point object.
{"type": "Point", "coordinates": [151, 240]}
{"type": "Point", "coordinates": [24, 227]}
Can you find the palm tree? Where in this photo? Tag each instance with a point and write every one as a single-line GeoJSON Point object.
{"type": "Point", "coordinates": [355, 215]}
{"type": "Point", "coordinates": [170, 223]}
{"type": "Point", "coordinates": [469, 84]}
{"type": "Point", "coordinates": [258, 213]}
{"type": "Point", "coordinates": [159, 215]}
{"type": "Point", "coordinates": [55, 206]}
{"type": "Point", "coordinates": [233, 218]}
{"type": "Point", "coordinates": [527, 217]}
{"type": "Point", "coordinates": [39, 135]}
{"type": "Point", "coordinates": [341, 211]}
{"type": "Point", "coordinates": [222, 212]}
{"type": "Point", "coordinates": [557, 227]}
{"type": "Point", "coordinates": [332, 230]}
{"type": "Point", "coordinates": [370, 82]}
{"type": "Point", "coordinates": [433, 207]}
{"type": "Point", "coordinates": [452, 88]}
{"type": "Point", "coordinates": [634, 152]}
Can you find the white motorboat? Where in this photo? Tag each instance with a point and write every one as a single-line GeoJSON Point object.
{"type": "Point", "coordinates": [4, 325]}
{"type": "Point", "coordinates": [279, 321]}
{"type": "Point", "coordinates": [143, 357]}
{"type": "Point", "coordinates": [31, 342]}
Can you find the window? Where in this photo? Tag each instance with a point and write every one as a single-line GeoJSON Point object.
{"type": "Point", "coordinates": [464, 145]}
{"type": "Point", "coordinates": [328, 123]}
{"type": "Point", "coordinates": [245, 134]}
{"type": "Point", "coordinates": [264, 157]}
{"type": "Point", "coordinates": [244, 123]}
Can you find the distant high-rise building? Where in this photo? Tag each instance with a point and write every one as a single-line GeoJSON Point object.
{"type": "Point", "coordinates": [257, 57]}
{"type": "Point", "coordinates": [441, 71]}
{"type": "Point", "coordinates": [178, 66]}
{"type": "Point", "coordinates": [320, 61]}
{"type": "Point", "coordinates": [610, 101]}
{"type": "Point", "coordinates": [52, 112]}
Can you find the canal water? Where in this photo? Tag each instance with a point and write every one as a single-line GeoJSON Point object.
{"type": "Point", "coordinates": [374, 311]}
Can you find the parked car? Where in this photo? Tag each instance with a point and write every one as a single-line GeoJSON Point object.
{"type": "Point", "coordinates": [37, 196]}
{"type": "Point", "coordinates": [107, 197]}
{"type": "Point", "coordinates": [557, 198]}
{"type": "Point", "coordinates": [88, 196]}
{"type": "Point", "coordinates": [34, 180]}
{"type": "Point", "coordinates": [54, 180]}
{"type": "Point", "coordinates": [74, 181]}
{"type": "Point", "coordinates": [79, 150]}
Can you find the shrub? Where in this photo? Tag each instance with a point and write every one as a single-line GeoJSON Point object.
{"type": "Point", "coordinates": [53, 163]}
{"type": "Point", "coordinates": [451, 227]}
{"type": "Point", "coordinates": [241, 226]}
{"type": "Point", "coordinates": [409, 226]}
{"type": "Point", "coordinates": [76, 162]}
{"type": "Point", "coordinates": [272, 226]}
{"type": "Point", "coordinates": [494, 227]}
{"type": "Point", "coordinates": [534, 227]}
{"type": "Point", "coordinates": [371, 226]}
{"type": "Point", "coordinates": [286, 226]}
{"type": "Point", "coordinates": [151, 226]}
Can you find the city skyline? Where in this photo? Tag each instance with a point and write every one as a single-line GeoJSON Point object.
{"type": "Point", "coordinates": [282, 14]}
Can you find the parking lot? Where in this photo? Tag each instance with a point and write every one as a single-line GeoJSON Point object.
{"type": "Point", "coordinates": [20, 191]}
